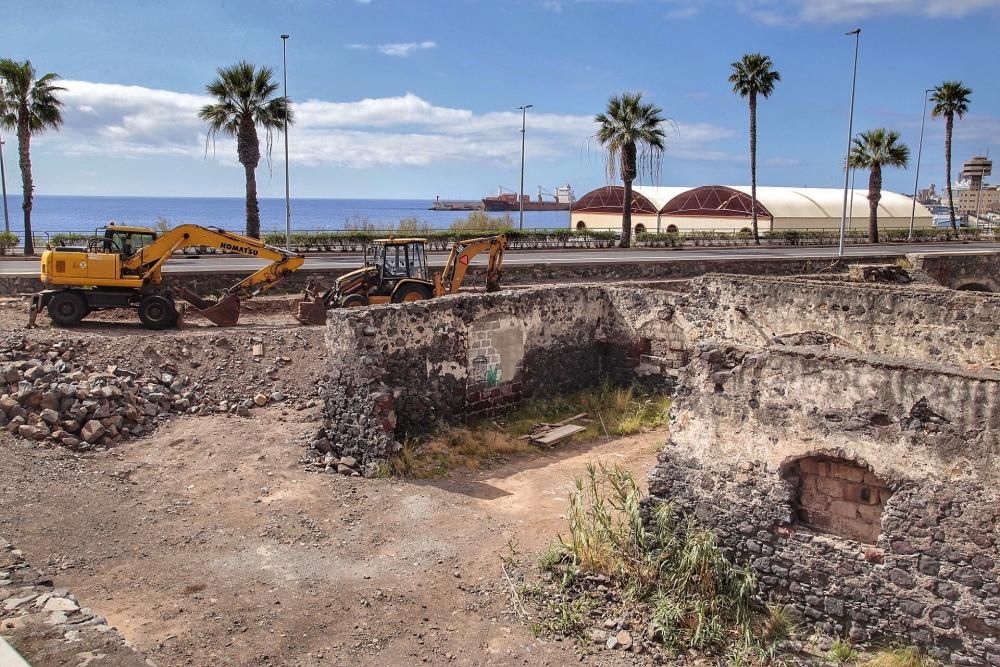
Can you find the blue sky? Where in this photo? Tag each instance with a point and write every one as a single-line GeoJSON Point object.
{"type": "Point", "coordinates": [408, 98]}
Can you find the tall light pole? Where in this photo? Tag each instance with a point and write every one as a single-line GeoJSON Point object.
{"type": "Point", "coordinates": [850, 137]}
{"type": "Point", "coordinates": [3, 179]}
{"type": "Point", "coordinates": [520, 194]}
{"type": "Point", "coordinates": [916, 178]}
{"type": "Point", "coordinates": [288, 201]}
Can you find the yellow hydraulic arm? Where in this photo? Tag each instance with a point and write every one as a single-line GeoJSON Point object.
{"type": "Point", "coordinates": [148, 261]}
{"type": "Point", "coordinates": [450, 280]}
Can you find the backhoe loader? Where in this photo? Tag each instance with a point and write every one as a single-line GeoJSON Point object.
{"type": "Point", "coordinates": [120, 268]}
{"type": "Point", "coordinates": [397, 272]}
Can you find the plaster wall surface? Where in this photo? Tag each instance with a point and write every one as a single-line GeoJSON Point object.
{"type": "Point", "coordinates": [906, 322]}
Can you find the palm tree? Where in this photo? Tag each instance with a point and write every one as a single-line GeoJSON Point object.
{"type": "Point", "coordinates": [28, 106]}
{"type": "Point", "coordinates": [754, 75]}
{"type": "Point", "coordinates": [950, 99]}
{"type": "Point", "coordinates": [873, 150]}
{"type": "Point", "coordinates": [632, 134]}
{"type": "Point", "coordinates": [244, 101]}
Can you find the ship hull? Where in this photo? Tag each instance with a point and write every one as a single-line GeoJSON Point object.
{"type": "Point", "coordinates": [502, 205]}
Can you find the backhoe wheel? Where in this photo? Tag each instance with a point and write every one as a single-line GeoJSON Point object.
{"type": "Point", "coordinates": [67, 308]}
{"type": "Point", "coordinates": [157, 312]}
{"type": "Point", "coordinates": [411, 292]}
{"type": "Point", "coordinates": [354, 301]}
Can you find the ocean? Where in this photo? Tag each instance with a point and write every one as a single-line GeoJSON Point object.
{"type": "Point", "coordinates": [57, 213]}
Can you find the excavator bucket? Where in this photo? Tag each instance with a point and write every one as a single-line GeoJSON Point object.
{"type": "Point", "coordinates": [312, 308]}
{"type": "Point", "coordinates": [224, 313]}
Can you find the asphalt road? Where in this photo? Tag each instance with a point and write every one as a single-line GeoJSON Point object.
{"type": "Point", "coordinates": [204, 263]}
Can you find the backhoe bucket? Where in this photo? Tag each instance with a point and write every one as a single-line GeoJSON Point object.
{"type": "Point", "coordinates": [311, 310]}
{"type": "Point", "coordinates": [224, 313]}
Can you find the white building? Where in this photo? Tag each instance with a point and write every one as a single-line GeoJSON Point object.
{"type": "Point", "coordinates": [727, 208]}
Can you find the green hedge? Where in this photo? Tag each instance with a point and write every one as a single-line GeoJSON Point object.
{"type": "Point", "coordinates": [8, 241]}
{"type": "Point", "coordinates": [356, 241]}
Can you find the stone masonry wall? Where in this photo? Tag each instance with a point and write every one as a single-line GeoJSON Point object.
{"type": "Point", "coordinates": [906, 322]}
{"type": "Point", "coordinates": [980, 270]}
{"type": "Point", "coordinates": [762, 438]}
{"type": "Point", "coordinates": [407, 369]}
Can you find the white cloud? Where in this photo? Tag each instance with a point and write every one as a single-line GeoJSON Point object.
{"type": "Point", "coordinates": [400, 49]}
{"type": "Point", "coordinates": [118, 121]}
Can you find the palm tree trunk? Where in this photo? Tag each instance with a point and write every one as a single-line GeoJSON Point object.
{"type": "Point", "coordinates": [27, 184]}
{"type": "Point", "coordinates": [753, 166]}
{"type": "Point", "coordinates": [248, 149]}
{"type": "Point", "coordinates": [253, 209]}
{"type": "Point", "coordinates": [874, 196]}
{"type": "Point", "coordinates": [628, 168]}
{"type": "Point", "coordinates": [627, 216]}
{"type": "Point", "coordinates": [948, 127]}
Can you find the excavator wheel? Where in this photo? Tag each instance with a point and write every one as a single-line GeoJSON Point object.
{"type": "Point", "coordinates": [157, 312]}
{"type": "Point", "coordinates": [67, 308]}
{"type": "Point", "coordinates": [411, 292]}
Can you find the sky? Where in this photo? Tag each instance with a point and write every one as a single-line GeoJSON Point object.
{"type": "Point", "coordinates": [419, 98]}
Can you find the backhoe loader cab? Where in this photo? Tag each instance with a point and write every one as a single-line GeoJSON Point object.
{"type": "Point", "coordinates": [396, 271]}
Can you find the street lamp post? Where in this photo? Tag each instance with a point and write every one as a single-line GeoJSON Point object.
{"type": "Point", "coordinates": [3, 179]}
{"type": "Point", "coordinates": [288, 201]}
{"type": "Point", "coordinates": [850, 136]}
{"type": "Point", "coordinates": [916, 178]}
{"type": "Point", "coordinates": [520, 195]}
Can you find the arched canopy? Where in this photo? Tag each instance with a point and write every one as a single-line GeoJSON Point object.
{"type": "Point", "coordinates": [716, 201]}
{"type": "Point", "coordinates": [610, 199]}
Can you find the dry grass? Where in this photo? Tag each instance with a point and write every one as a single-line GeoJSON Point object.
{"type": "Point", "coordinates": [612, 411]}
{"type": "Point", "coordinates": [901, 657]}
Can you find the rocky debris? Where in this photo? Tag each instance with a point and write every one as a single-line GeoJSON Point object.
{"type": "Point", "coordinates": [63, 392]}
{"type": "Point", "coordinates": [33, 612]}
{"type": "Point", "coordinates": [878, 273]}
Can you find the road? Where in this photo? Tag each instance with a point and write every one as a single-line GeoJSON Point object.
{"type": "Point", "coordinates": [213, 263]}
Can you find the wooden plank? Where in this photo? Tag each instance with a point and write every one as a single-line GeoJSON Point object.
{"type": "Point", "coordinates": [570, 419]}
{"type": "Point", "coordinates": [557, 434]}
{"type": "Point", "coordinates": [258, 349]}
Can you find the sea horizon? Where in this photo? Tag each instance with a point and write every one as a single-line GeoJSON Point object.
{"type": "Point", "coordinates": [53, 213]}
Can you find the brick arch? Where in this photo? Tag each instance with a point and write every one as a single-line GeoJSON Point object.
{"type": "Point", "coordinates": [837, 495]}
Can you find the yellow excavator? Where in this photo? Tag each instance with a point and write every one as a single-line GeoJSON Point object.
{"type": "Point", "coordinates": [397, 272]}
{"type": "Point", "coordinates": [120, 268]}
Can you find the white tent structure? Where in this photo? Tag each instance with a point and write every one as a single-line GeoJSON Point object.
{"type": "Point", "coordinates": [728, 208]}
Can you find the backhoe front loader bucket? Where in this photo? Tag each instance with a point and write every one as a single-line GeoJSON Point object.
{"type": "Point", "coordinates": [312, 308]}
{"type": "Point", "coordinates": [225, 312]}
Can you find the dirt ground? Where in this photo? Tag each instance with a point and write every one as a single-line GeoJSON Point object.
{"type": "Point", "coordinates": [207, 543]}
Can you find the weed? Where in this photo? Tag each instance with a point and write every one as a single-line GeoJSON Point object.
{"type": "Point", "coordinates": [841, 652]}
{"type": "Point", "coordinates": [698, 598]}
{"type": "Point", "coordinates": [551, 558]}
{"type": "Point", "coordinates": [901, 657]}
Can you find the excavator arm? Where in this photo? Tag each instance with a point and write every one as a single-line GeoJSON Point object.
{"type": "Point", "coordinates": [149, 260]}
{"type": "Point", "coordinates": [462, 253]}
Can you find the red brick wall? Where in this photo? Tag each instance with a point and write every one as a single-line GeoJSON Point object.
{"type": "Point", "coordinates": [839, 497]}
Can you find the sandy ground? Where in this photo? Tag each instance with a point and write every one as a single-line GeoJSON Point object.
{"type": "Point", "coordinates": [206, 543]}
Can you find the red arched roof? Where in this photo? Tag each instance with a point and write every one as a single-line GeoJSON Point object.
{"type": "Point", "coordinates": [713, 201]}
{"type": "Point", "coordinates": [609, 199]}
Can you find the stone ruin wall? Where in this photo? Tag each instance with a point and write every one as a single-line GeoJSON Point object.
{"type": "Point", "coordinates": [854, 475]}
{"type": "Point", "coordinates": [407, 370]}
{"type": "Point", "coordinates": [862, 489]}
{"type": "Point", "coordinates": [908, 322]}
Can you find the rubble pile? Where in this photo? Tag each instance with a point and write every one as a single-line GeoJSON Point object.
{"type": "Point", "coordinates": [49, 393]}
{"type": "Point", "coordinates": [35, 614]}
{"type": "Point", "coordinates": [80, 394]}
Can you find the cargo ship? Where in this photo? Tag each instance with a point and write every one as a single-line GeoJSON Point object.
{"type": "Point", "coordinates": [506, 200]}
